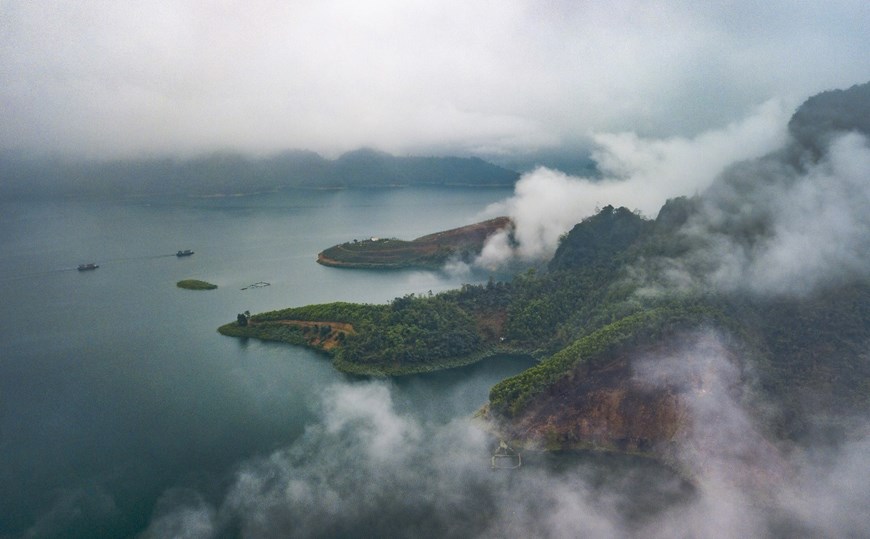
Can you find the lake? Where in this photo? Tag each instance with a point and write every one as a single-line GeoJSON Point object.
{"type": "Point", "coordinates": [115, 385]}
{"type": "Point", "coordinates": [123, 412]}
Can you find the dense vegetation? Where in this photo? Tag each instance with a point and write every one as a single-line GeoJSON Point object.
{"type": "Point", "coordinates": [619, 282]}
{"type": "Point", "coordinates": [413, 331]}
{"type": "Point", "coordinates": [410, 334]}
{"type": "Point", "coordinates": [585, 308]}
{"type": "Point", "coordinates": [808, 352]}
{"type": "Point", "coordinates": [599, 239]}
{"type": "Point", "coordinates": [510, 396]}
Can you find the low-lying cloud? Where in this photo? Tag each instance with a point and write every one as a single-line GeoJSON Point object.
{"type": "Point", "coordinates": [636, 172]}
{"type": "Point", "coordinates": [768, 222]}
{"type": "Point", "coordinates": [364, 469]}
{"type": "Point", "coordinates": [771, 227]}
{"type": "Point", "coordinates": [99, 79]}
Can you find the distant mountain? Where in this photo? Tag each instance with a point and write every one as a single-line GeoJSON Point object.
{"type": "Point", "coordinates": [226, 173]}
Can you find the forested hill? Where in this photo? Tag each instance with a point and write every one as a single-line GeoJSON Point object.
{"type": "Point", "coordinates": [229, 173]}
{"type": "Point", "coordinates": [834, 111]}
{"type": "Point", "coordinates": [759, 286]}
{"type": "Point", "coordinates": [755, 292]}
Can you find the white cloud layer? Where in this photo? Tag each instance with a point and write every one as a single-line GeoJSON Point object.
{"type": "Point", "coordinates": [636, 172]}
{"type": "Point", "coordinates": [769, 228]}
{"type": "Point", "coordinates": [366, 470]}
{"type": "Point", "coordinates": [121, 78]}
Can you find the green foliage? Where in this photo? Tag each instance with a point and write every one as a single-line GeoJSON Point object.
{"type": "Point", "coordinates": [194, 284]}
{"type": "Point", "coordinates": [598, 239]}
{"type": "Point", "coordinates": [586, 310]}
{"type": "Point", "coordinates": [815, 346]}
{"type": "Point", "coordinates": [350, 313]}
{"type": "Point", "coordinates": [414, 330]}
{"type": "Point", "coordinates": [267, 332]}
{"type": "Point", "coordinates": [492, 297]}
{"type": "Point", "coordinates": [511, 395]}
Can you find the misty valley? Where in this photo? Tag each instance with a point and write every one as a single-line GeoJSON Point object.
{"type": "Point", "coordinates": [680, 360]}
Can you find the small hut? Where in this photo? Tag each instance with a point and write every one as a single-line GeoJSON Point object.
{"type": "Point", "coordinates": [506, 458]}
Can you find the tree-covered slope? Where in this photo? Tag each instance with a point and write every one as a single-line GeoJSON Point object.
{"type": "Point", "coordinates": [771, 265]}
{"type": "Point", "coordinates": [409, 335]}
{"type": "Point", "coordinates": [772, 258]}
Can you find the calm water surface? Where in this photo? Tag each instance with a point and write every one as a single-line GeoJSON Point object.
{"type": "Point", "coordinates": [114, 384]}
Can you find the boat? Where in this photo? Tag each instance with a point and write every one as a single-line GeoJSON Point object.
{"type": "Point", "coordinates": [186, 252]}
{"type": "Point", "coordinates": [89, 266]}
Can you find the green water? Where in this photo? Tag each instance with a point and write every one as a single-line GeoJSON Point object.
{"type": "Point", "coordinates": [114, 384]}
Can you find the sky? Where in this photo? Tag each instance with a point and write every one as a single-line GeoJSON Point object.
{"type": "Point", "coordinates": [121, 79]}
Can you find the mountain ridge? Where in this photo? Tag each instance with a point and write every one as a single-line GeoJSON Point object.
{"type": "Point", "coordinates": [234, 173]}
{"type": "Point", "coordinates": [643, 326]}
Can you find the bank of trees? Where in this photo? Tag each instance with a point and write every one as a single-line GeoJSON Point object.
{"type": "Point", "coordinates": [413, 329]}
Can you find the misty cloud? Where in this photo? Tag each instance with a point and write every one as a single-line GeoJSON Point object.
{"type": "Point", "coordinates": [837, 507]}
{"type": "Point", "coordinates": [118, 79]}
{"type": "Point", "coordinates": [769, 227]}
{"type": "Point", "coordinates": [746, 486]}
{"type": "Point", "coordinates": [182, 513]}
{"type": "Point", "coordinates": [636, 172]}
{"type": "Point", "coordinates": [720, 443]}
{"type": "Point", "coordinates": [365, 469]}
{"type": "Point", "coordinates": [71, 507]}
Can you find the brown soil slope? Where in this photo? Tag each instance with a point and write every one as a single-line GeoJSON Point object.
{"type": "Point", "coordinates": [430, 251]}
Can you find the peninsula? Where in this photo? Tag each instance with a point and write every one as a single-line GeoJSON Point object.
{"type": "Point", "coordinates": [428, 252]}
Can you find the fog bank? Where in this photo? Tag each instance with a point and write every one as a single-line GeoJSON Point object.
{"type": "Point", "coordinates": [636, 172]}
{"type": "Point", "coordinates": [363, 468]}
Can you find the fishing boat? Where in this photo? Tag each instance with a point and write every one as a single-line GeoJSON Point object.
{"type": "Point", "coordinates": [186, 252]}
{"type": "Point", "coordinates": [86, 267]}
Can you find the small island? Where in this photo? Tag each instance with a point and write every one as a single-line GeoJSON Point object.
{"type": "Point", "coordinates": [195, 284]}
{"type": "Point", "coordinates": [427, 252]}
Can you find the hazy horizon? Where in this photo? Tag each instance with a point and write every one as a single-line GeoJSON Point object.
{"type": "Point", "coordinates": [518, 78]}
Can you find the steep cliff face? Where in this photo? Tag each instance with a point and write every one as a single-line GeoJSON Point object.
{"type": "Point", "coordinates": [602, 407]}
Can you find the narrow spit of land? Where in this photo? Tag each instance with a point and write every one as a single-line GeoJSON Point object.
{"type": "Point", "coordinates": [428, 252]}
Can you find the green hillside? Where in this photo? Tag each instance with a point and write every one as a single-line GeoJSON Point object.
{"type": "Point", "coordinates": [620, 288]}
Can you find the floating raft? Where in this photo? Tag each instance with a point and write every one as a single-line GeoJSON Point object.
{"type": "Point", "coordinates": [505, 458]}
{"type": "Point", "coordinates": [261, 284]}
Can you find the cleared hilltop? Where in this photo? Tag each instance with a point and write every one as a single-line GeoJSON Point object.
{"type": "Point", "coordinates": [430, 252]}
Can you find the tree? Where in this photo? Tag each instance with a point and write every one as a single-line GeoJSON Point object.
{"type": "Point", "coordinates": [242, 319]}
